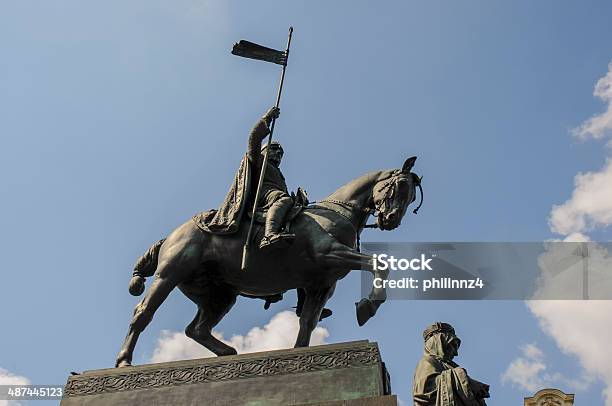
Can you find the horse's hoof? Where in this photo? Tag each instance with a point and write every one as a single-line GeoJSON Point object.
{"type": "Point", "coordinates": [365, 310]}
{"type": "Point", "coordinates": [230, 351]}
{"type": "Point", "coordinates": [137, 285]}
{"type": "Point", "coordinates": [124, 363]}
{"type": "Point", "coordinates": [325, 313]}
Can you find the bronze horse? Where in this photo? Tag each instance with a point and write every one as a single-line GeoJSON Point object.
{"type": "Point", "coordinates": [206, 267]}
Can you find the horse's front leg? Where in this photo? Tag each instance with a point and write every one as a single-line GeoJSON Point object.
{"type": "Point", "coordinates": [311, 312]}
{"type": "Point", "coordinates": [179, 258]}
{"type": "Point", "coordinates": [342, 256]}
{"type": "Point", "coordinates": [143, 313]}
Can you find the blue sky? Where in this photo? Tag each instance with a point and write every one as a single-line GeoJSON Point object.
{"type": "Point", "coordinates": [119, 121]}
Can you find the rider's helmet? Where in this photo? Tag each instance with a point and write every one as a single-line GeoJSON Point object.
{"type": "Point", "coordinates": [274, 145]}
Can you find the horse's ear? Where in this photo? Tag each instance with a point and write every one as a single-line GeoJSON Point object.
{"type": "Point", "coordinates": [409, 164]}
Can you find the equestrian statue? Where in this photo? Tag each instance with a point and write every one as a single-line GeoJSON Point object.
{"type": "Point", "coordinates": [202, 256]}
{"type": "Point", "coordinates": [297, 245]}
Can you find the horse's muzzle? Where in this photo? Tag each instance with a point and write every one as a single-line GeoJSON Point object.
{"type": "Point", "coordinates": [390, 221]}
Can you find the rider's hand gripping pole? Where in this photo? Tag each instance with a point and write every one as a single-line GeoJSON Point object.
{"type": "Point", "coordinates": [245, 250]}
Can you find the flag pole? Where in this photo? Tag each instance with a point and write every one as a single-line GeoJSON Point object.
{"type": "Point", "coordinates": [245, 249]}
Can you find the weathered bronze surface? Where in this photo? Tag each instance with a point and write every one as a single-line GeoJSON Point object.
{"type": "Point", "coordinates": [390, 400]}
{"type": "Point", "coordinates": [205, 263]}
{"type": "Point", "coordinates": [438, 381]}
{"type": "Point", "coordinates": [333, 373]}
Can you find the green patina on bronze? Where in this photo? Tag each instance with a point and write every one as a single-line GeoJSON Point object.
{"type": "Point", "coordinates": [308, 249]}
{"type": "Point", "coordinates": [327, 373]}
{"type": "Point", "coordinates": [203, 255]}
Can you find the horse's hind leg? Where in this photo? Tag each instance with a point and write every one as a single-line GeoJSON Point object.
{"type": "Point", "coordinates": [213, 304]}
{"type": "Point", "coordinates": [311, 312]}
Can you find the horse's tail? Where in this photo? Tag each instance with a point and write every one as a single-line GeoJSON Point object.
{"type": "Point", "coordinates": [145, 267]}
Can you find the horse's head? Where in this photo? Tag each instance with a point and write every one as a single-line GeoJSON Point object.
{"type": "Point", "coordinates": [393, 195]}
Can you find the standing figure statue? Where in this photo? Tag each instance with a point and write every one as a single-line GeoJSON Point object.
{"type": "Point", "coordinates": [438, 381]}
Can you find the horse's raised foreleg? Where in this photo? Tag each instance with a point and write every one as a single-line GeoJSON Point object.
{"type": "Point", "coordinates": [213, 304]}
{"type": "Point", "coordinates": [343, 256]}
{"type": "Point", "coordinates": [311, 312]}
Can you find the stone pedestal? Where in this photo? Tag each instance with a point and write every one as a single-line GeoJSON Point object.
{"type": "Point", "coordinates": [350, 374]}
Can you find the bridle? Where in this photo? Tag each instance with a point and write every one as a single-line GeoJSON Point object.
{"type": "Point", "coordinates": [389, 188]}
{"type": "Point", "coordinates": [378, 208]}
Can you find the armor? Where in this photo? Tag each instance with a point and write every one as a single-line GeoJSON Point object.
{"type": "Point", "coordinates": [273, 196]}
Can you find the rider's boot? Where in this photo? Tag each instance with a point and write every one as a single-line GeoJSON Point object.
{"type": "Point", "coordinates": [274, 237]}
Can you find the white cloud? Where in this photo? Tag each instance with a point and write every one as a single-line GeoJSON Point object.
{"type": "Point", "coordinates": [280, 332]}
{"type": "Point", "coordinates": [577, 237]}
{"type": "Point", "coordinates": [528, 372]}
{"type": "Point", "coordinates": [590, 205]}
{"type": "Point", "coordinates": [525, 372]}
{"type": "Point", "coordinates": [8, 378]}
{"type": "Point", "coordinates": [601, 124]}
{"type": "Point", "coordinates": [584, 328]}
{"type": "Point", "coordinates": [174, 346]}
{"type": "Point", "coordinates": [532, 351]}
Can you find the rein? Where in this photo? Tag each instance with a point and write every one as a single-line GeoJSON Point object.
{"type": "Point", "coordinates": [364, 209]}
{"type": "Point", "coordinates": [388, 189]}
{"type": "Point", "coordinates": [416, 211]}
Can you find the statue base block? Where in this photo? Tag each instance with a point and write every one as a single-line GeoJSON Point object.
{"type": "Point", "coordinates": [345, 374]}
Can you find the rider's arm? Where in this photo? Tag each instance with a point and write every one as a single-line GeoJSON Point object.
{"type": "Point", "coordinates": [258, 133]}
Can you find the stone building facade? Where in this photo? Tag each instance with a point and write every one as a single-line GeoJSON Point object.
{"type": "Point", "coordinates": [550, 397]}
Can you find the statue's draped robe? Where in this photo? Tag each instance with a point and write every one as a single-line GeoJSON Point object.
{"type": "Point", "coordinates": [438, 381]}
{"type": "Point", "coordinates": [226, 219]}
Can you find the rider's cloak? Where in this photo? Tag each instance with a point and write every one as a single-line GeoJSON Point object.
{"type": "Point", "coordinates": [226, 219]}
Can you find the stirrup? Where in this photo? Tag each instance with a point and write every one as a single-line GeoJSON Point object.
{"type": "Point", "coordinates": [278, 240]}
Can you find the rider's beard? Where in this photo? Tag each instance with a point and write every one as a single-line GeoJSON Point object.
{"type": "Point", "coordinates": [275, 161]}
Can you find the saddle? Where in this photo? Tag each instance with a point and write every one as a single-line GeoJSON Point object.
{"type": "Point", "coordinates": [300, 202]}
